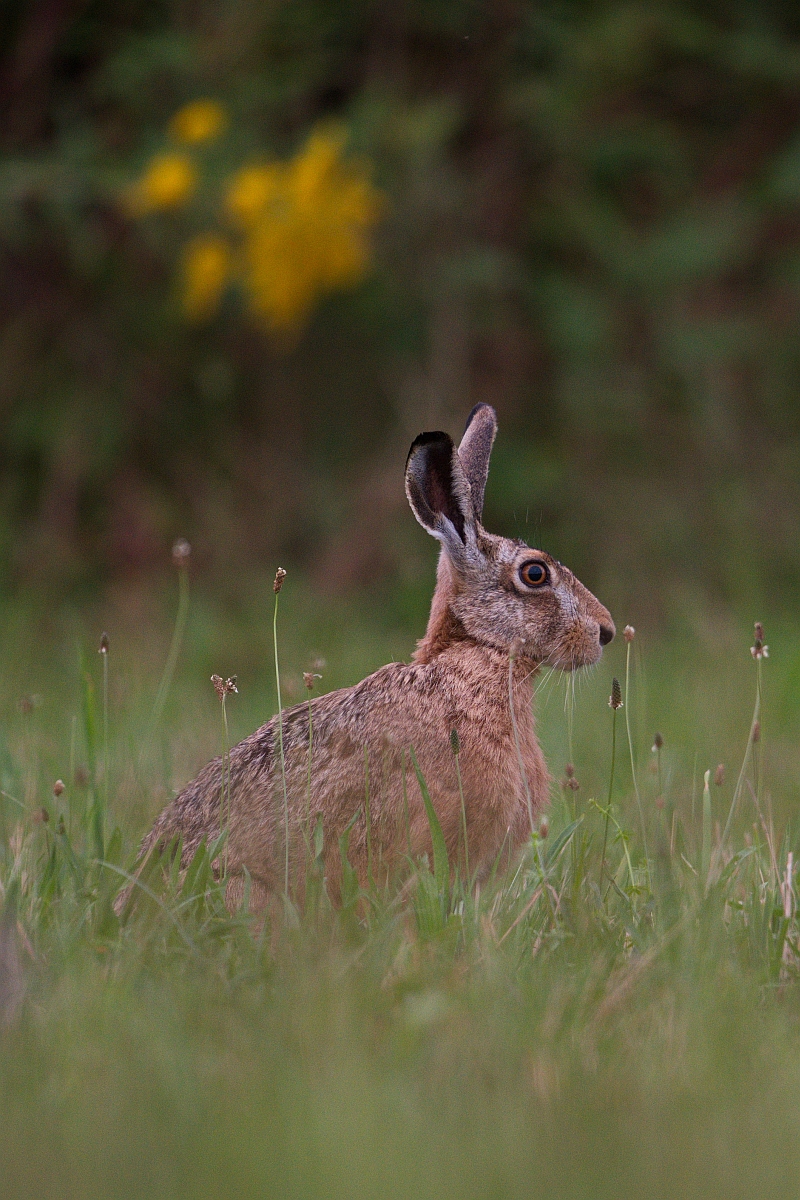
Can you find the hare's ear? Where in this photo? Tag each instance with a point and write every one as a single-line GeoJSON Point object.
{"type": "Point", "coordinates": [438, 490]}
{"type": "Point", "coordinates": [476, 450]}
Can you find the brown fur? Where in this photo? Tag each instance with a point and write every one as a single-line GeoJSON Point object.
{"type": "Point", "coordinates": [482, 618]}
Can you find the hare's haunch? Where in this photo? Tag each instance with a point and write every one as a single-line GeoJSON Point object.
{"type": "Point", "coordinates": [499, 611]}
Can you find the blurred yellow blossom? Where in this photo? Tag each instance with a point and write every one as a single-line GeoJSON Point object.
{"type": "Point", "coordinates": [308, 232]}
{"type": "Point", "coordinates": [206, 270]}
{"type": "Point", "coordinates": [168, 182]}
{"type": "Point", "coordinates": [296, 230]}
{"type": "Point", "coordinates": [251, 190]}
{"type": "Point", "coordinates": [199, 121]}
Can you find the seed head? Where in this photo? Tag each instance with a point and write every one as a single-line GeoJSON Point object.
{"type": "Point", "coordinates": [455, 741]}
{"type": "Point", "coordinates": [280, 575]}
{"type": "Point", "coordinates": [544, 827]}
{"type": "Point", "coordinates": [658, 742]}
{"type": "Point", "coordinates": [629, 633]}
{"type": "Point", "coordinates": [615, 699]}
{"type": "Point", "coordinates": [719, 775]}
{"type": "Point", "coordinates": [58, 787]}
{"type": "Point", "coordinates": [40, 816]}
{"type": "Point", "coordinates": [569, 770]}
{"type": "Point", "coordinates": [103, 649]}
{"type": "Point", "coordinates": [308, 679]}
{"type": "Point", "coordinates": [224, 687]}
{"type": "Point", "coordinates": [181, 551]}
{"type": "Point", "coordinates": [756, 731]}
{"type": "Point", "coordinates": [758, 649]}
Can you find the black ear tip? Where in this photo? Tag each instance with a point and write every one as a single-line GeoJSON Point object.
{"type": "Point", "coordinates": [479, 408]}
{"type": "Point", "coordinates": [433, 439]}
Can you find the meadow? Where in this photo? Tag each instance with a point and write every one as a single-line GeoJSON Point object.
{"type": "Point", "coordinates": [564, 1031]}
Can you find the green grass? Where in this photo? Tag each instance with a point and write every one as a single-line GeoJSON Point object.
{"type": "Point", "coordinates": [560, 1035]}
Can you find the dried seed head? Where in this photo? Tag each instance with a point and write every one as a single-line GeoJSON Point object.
{"type": "Point", "coordinates": [569, 770]}
{"type": "Point", "coordinates": [515, 649]}
{"type": "Point", "coordinates": [58, 787]}
{"type": "Point", "coordinates": [40, 816]}
{"type": "Point", "coordinates": [308, 679]}
{"type": "Point", "coordinates": [658, 742]}
{"type": "Point", "coordinates": [280, 575]}
{"type": "Point", "coordinates": [544, 827]}
{"type": "Point", "coordinates": [455, 741]}
{"type": "Point", "coordinates": [82, 776]}
{"type": "Point", "coordinates": [719, 775]}
{"type": "Point", "coordinates": [224, 687]}
{"type": "Point", "coordinates": [629, 633]}
{"type": "Point", "coordinates": [758, 649]}
{"type": "Point", "coordinates": [103, 649]}
{"type": "Point", "coordinates": [756, 731]}
{"type": "Point", "coordinates": [615, 699]}
{"type": "Point", "coordinates": [573, 784]}
{"type": "Point", "coordinates": [181, 551]}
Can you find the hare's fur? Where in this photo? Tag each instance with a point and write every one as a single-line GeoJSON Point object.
{"type": "Point", "coordinates": [487, 635]}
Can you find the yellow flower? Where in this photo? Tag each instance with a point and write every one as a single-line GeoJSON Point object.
{"type": "Point", "coordinates": [307, 228]}
{"type": "Point", "coordinates": [168, 182]}
{"type": "Point", "coordinates": [199, 121]}
{"type": "Point", "coordinates": [251, 190]}
{"type": "Point", "coordinates": [205, 273]}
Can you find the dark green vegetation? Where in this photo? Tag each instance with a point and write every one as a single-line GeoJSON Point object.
{"type": "Point", "coordinates": [592, 223]}
{"type": "Point", "coordinates": [567, 1032]}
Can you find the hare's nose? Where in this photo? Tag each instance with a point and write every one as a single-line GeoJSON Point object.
{"type": "Point", "coordinates": [606, 635]}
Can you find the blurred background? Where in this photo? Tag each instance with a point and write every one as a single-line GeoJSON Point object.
{"type": "Point", "coordinates": [250, 250]}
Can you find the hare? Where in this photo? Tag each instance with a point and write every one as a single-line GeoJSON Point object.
{"type": "Point", "coordinates": [500, 610]}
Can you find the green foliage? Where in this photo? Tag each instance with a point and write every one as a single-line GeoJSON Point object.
{"type": "Point", "coordinates": [592, 222]}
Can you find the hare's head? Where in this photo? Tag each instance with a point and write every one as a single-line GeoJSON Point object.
{"type": "Point", "coordinates": [501, 592]}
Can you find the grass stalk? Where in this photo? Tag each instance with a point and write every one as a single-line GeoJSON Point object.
{"type": "Point", "coordinates": [755, 727]}
{"type": "Point", "coordinates": [180, 556]}
{"type": "Point", "coordinates": [518, 748]}
{"type": "Point", "coordinates": [705, 853]}
{"type": "Point", "coordinates": [368, 818]}
{"type": "Point", "coordinates": [405, 802]}
{"type": "Point", "coordinates": [455, 746]}
{"type": "Point", "coordinates": [276, 587]}
{"type": "Point", "coordinates": [615, 702]}
{"type": "Point", "coordinates": [308, 778]}
{"type": "Point", "coordinates": [629, 641]}
{"type": "Point", "coordinates": [226, 780]}
{"type": "Point", "coordinates": [104, 647]}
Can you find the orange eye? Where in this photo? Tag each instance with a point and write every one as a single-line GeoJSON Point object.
{"type": "Point", "coordinates": [533, 574]}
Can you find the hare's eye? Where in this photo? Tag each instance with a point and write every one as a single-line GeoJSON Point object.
{"type": "Point", "coordinates": [533, 574]}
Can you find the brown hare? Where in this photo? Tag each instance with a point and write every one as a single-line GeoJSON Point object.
{"type": "Point", "coordinates": [499, 611]}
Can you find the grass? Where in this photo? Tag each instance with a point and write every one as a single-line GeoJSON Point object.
{"type": "Point", "coordinates": [547, 1038]}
